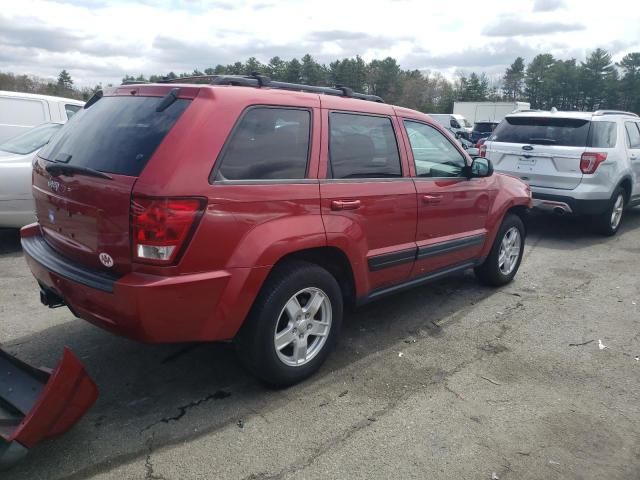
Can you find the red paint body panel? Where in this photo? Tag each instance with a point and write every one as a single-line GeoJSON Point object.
{"type": "Point", "coordinates": [66, 397]}
{"type": "Point", "coordinates": [248, 226]}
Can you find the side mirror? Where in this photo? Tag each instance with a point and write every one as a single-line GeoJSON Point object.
{"type": "Point", "coordinates": [480, 167]}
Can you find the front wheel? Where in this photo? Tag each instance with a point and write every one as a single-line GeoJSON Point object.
{"type": "Point", "coordinates": [293, 324]}
{"type": "Point", "coordinates": [503, 261]}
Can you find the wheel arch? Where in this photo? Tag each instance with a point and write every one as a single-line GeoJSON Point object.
{"type": "Point", "coordinates": [627, 186]}
{"type": "Point", "coordinates": [332, 259]}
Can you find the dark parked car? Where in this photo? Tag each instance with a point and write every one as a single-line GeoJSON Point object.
{"type": "Point", "coordinates": [482, 130]}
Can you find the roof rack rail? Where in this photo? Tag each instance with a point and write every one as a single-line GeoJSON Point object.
{"type": "Point", "coordinates": [188, 79]}
{"type": "Point", "coordinates": [256, 80]}
{"type": "Point", "coordinates": [134, 82]}
{"type": "Point", "coordinates": [614, 112]}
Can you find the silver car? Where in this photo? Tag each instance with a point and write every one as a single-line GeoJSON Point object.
{"type": "Point", "coordinates": [16, 157]}
{"type": "Point", "coordinates": [577, 163]}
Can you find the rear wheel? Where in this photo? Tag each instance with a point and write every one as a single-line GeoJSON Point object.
{"type": "Point", "coordinates": [505, 256]}
{"type": "Point", "coordinates": [609, 221]}
{"type": "Point", "coordinates": [293, 324]}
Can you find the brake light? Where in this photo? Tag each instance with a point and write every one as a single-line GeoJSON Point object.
{"type": "Point", "coordinates": [482, 151]}
{"type": "Point", "coordinates": [589, 161]}
{"type": "Point", "coordinates": [161, 226]}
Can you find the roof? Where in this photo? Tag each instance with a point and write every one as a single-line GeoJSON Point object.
{"type": "Point", "coordinates": [50, 98]}
{"type": "Point", "coordinates": [259, 94]}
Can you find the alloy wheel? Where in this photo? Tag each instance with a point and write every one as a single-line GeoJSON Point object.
{"type": "Point", "coordinates": [303, 327]}
{"type": "Point", "coordinates": [509, 251]}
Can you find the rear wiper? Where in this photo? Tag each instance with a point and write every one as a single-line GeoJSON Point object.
{"type": "Point", "coordinates": [541, 141]}
{"type": "Point", "coordinates": [57, 169]}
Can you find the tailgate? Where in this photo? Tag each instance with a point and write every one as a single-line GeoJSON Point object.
{"type": "Point", "coordinates": [83, 179]}
{"type": "Point", "coordinates": [539, 165]}
{"type": "Point", "coordinates": [36, 404]}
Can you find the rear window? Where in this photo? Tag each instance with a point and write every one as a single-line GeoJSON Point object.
{"type": "Point", "coordinates": [568, 132]}
{"type": "Point", "coordinates": [115, 135]}
{"type": "Point", "coordinates": [484, 127]}
{"type": "Point", "coordinates": [565, 132]}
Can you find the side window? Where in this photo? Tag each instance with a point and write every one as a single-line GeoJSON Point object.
{"type": "Point", "coordinates": [633, 134]}
{"type": "Point", "coordinates": [71, 110]}
{"type": "Point", "coordinates": [602, 135]}
{"type": "Point", "coordinates": [433, 154]}
{"type": "Point", "coordinates": [269, 143]}
{"type": "Point", "coordinates": [454, 123]}
{"type": "Point", "coordinates": [362, 146]}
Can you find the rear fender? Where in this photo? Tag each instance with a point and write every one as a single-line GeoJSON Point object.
{"type": "Point", "coordinates": [36, 404]}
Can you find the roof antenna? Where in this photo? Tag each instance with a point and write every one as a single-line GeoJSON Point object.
{"type": "Point", "coordinates": [554, 110]}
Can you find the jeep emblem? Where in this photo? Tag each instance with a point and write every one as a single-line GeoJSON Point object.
{"type": "Point", "coordinates": [53, 185]}
{"type": "Point", "coordinates": [106, 260]}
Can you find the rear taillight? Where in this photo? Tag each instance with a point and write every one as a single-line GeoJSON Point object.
{"type": "Point", "coordinates": [482, 151]}
{"type": "Point", "coordinates": [589, 161]}
{"type": "Point", "coordinates": [162, 226]}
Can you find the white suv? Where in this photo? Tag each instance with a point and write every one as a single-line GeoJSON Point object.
{"type": "Point", "coordinates": [578, 163]}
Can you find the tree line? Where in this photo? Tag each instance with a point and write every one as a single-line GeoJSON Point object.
{"type": "Point", "coordinates": [545, 82]}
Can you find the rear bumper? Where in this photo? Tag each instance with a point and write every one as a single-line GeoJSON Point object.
{"type": "Point", "coordinates": [36, 404]}
{"type": "Point", "coordinates": [203, 306]}
{"type": "Point", "coordinates": [550, 203]}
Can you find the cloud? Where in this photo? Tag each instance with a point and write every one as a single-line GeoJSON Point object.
{"type": "Point", "coordinates": [547, 5]}
{"type": "Point", "coordinates": [497, 54]}
{"type": "Point", "coordinates": [513, 26]}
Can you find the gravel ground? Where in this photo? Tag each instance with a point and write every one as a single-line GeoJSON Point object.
{"type": "Point", "coordinates": [448, 381]}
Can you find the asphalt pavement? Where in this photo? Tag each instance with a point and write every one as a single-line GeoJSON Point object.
{"type": "Point", "coordinates": [453, 380]}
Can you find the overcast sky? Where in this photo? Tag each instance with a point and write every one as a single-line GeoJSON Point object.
{"type": "Point", "coordinates": [102, 40]}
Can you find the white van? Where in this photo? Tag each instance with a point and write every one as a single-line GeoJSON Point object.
{"type": "Point", "coordinates": [453, 122]}
{"type": "Point", "coordinates": [20, 112]}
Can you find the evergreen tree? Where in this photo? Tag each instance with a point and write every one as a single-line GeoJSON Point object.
{"type": "Point", "coordinates": [537, 84]}
{"type": "Point", "coordinates": [513, 80]}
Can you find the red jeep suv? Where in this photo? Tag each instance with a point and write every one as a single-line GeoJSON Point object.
{"type": "Point", "coordinates": [255, 211]}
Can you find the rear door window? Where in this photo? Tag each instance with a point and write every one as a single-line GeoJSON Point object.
{"type": "Point", "coordinates": [115, 135]}
{"type": "Point", "coordinates": [567, 132]}
{"type": "Point", "coordinates": [362, 146]}
{"type": "Point", "coordinates": [633, 134]}
{"type": "Point", "coordinates": [268, 143]}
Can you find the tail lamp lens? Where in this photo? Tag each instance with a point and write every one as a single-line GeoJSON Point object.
{"type": "Point", "coordinates": [161, 226]}
{"type": "Point", "coordinates": [482, 151]}
{"type": "Point", "coordinates": [589, 161]}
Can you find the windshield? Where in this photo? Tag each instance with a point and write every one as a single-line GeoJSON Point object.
{"type": "Point", "coordinates": [31, 140]}
{"type": "Point", "coordinates": [115, 135]}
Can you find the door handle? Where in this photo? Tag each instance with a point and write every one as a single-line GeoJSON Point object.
{"type": "Point", "coordinates": [431, 199]}
{"type": "Point", "coordinates": [345, 204]}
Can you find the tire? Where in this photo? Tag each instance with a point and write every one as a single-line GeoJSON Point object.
{"type": "Point", "coordinates": [276, 313]}
{"type": "Point", "coordinates": [495, 271]}
{"type": "Point", "coordinates": [608, 223]}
